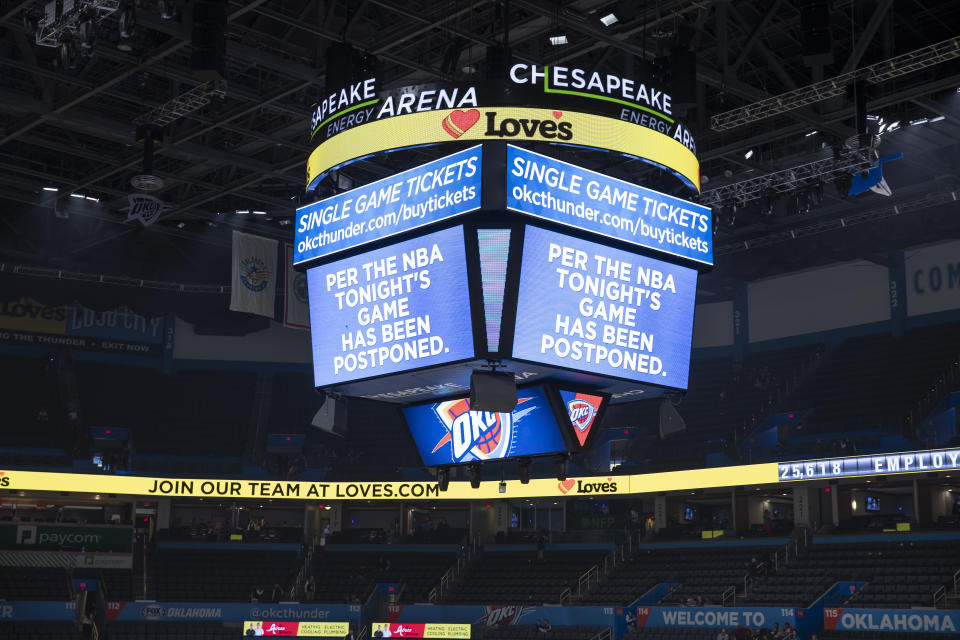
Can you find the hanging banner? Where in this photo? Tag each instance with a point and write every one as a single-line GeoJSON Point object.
{"type": "Point", "coordinates": [296, 310]}
{"type": "Point", "coordinates": [254, 274]}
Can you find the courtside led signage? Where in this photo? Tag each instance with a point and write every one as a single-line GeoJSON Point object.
{"type": "Point", "coordinates": [511, 124]}
{"type": "Point", "coordinates": [408, 200]}
{"type": "Point", "coordinates": [449, 433]}
{"type": "Point", "coordinates": [561, 192]}
{"type": "Point", "coordinates": [588, 307]}
{"type": "Point", "coordinates": [276, 628]}
{"type": "Point", "coordinates": [420, 630]}
{"type": "Point", "coordinates": [393, 309]}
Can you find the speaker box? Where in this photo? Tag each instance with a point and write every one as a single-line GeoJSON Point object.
{"type": "Point", "coordinates": [209, 39]}
{"type": "Point", "coordinates": [332, 417]}
{"type": "Point", "coordinates": [683, 77]}
{"type": "Point", "coordinates": [671, 422]}
{"type": "Point", "coordinates": [492, 391]}
{"type": "Point", "coordinates": [815, 41]}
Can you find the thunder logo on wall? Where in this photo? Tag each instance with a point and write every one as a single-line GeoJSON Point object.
{"type": "Point", "coordinates": [582, 409]}
{"type": "Point", "coordinates": [448, 432]}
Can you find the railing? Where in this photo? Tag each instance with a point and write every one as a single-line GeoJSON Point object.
{"type": "Point", "coordinates": [956, 583]}
{"type": "Point", "coordinates": [362, 634]}
{"type": "Point", "coordinates": [939, 596]}
{"type": "Point", "coordinates": [593, 573]}
{"type": "Point", "coordinates": [945, 382]}
{"type": "Point", "coordinates": [565, 596]}
{"type": "Point", "coordinates": [605, 634]}
{"type": "Point", "coordinates": [730, 593]}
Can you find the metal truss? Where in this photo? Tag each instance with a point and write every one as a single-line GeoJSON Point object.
{"type": "Point", "coordinates": [53, 29]}
{"type": "Point", "coordinates": [819, 91]}
{"type": "Point", "coordinates": [792, 179]}
{"type": "Point", "coordinates": [185, 103]}
{"type": "Point", "coordinates": [822, 226]}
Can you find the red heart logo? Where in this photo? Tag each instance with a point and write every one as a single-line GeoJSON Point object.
{"type": "Point", "coordinates": [558, 114]}
{"type": "Point", "coordinates": [458, 122]}
{"type": "Point", "coordinates": [566, 485]}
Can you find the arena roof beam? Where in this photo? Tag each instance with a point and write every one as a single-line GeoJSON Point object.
{"type": "Point", "coordinates": [864, 39]}
{"type": "Point", "coordinates": [922, 58]}
{"type": "Point", "coordinates": [754, 36]}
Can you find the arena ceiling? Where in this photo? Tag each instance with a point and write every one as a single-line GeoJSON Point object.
{"type": "Point", "coordinates": [73, 127]}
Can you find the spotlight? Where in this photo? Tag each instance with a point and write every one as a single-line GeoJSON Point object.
{"type": "Point", "coordinates": [609, 19]}
{"type": "Point", "coordinates": [560, 466]}
{"type": "Point", "coordinates": [54, 189]}
{"type": "Point", "coordinates": [812, 133]}
{"type": "Point", "coordinates": [243, 211]}
{"type": "Point", "coordinates": [918, 121]}
{"type": "Point", "coordinates": [523, 470]}
{"type": "Point", "coordinates": [76, 195]}
{"type": "Point", "coordinates": [816, 194]}
{"type": "Point", "coordinates": [181, 225]}
{"type": "Point", "coordinates": [893, 126]}
{"type": "Point", "coordinates": [127, 22]}
{"type": "Point", "coordinates": [937, 119]}
{"type": "Point", "coordinates": [443, 478]}
{"type": "Point", "coordinates": [86, 31]}
{"type": "Point", "coordinates": [766, 203]}
{"type": "Point", "coordinates": [92, 199]}
{"type": "Point", "coordinates": [259, 213]}
{"type": "Point", "coordinates": [559, 39]}
{"type": "Point", "coordinates": [748, 154]}
{"type": "Point", "coordinates": [474, 473]}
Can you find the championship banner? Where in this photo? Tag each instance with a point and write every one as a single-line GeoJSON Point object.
{"type": "Point", "coordinates": [511, 124]}
{"type": "Point", "coordinates": [420, 630]}
{"type": "Point", "coordinates": [254, 274]}
{"type": "Point", "coordinates": [296, 311]}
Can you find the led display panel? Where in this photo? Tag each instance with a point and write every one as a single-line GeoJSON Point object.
{"type": "Point", "coordinates": [408, 200]}
{"type": "Point", "coordinates": [588, 307]}
{"type": "Point", "coordinates": [292, 628]}
{"type": "Point", "coordinates": [394, 309]}
{"type": "Point", "coordinates": [567, 194]}
{"type": "Point", "coordinates": [583, 409]}
{"type": "Point", "coordinates": [420, 630]}
{"type": "Point", "coordinates": [448, 432]}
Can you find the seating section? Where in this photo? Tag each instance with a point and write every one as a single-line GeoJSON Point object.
{"type": "Point", "coordinates": [220, 576]}
{"type": "Point", "coordinates": [33, 408]}
{"type": "Point", "coordinates": [518, 576]}
{"type": "Point", "coordinates": [34, 583]}
{"type": "Point", "coordinates": [37, 630]}
{"type": "Point", "coordinates": [187, 413]}
{"type": "Point", "coordinates": [704, 572]}
{"type": "Point", "coordinates": [871, 381]}
{"type": "Point", "coordinates": [792, 586]}
{"type": "Point", "coordinates": [529, 632]}
{"type": "Point", "coordinates": [117, 582]}
{"type": "Point", "coordinates": [342, 576]}
{"type": "Point", "coordinates": [170, 631]}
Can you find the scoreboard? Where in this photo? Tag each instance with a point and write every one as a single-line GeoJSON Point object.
{"type": "Point", "coordinates": [503, 251]}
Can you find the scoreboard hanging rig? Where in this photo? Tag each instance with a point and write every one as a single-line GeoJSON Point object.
{"type": "Point", "coordinates": [580, 284]}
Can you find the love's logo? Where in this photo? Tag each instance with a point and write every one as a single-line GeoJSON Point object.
{"type": "Point", "coordinates": [459, 122]}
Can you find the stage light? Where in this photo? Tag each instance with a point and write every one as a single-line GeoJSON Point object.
{"type": "Point", "coordinates": [166, 10]}
{"type": "Point", "coordinates": [558, 40]}
{"type": "Point", "coordinates": [918, 121]}
{"type": "Point", "coordinates": [893, 126]}
{"type": "Point", "coordinates": [76, 195]}
{"type": "Point", "coordinates": [54, 189]}
{"type": "Point", "coordinates": [748, 154]}
{"type": "Point", "coordinates": [92, 199]}
{"type": "Point", "coordinates": [284, 222]}
{"type": "Point", "coordinates": [474, 473]}
{"type": "Point", "coordinates": [812, 133]}
{"type": "Point", "coordinates": [181, 225]}
{"type": "Point", "coordinates": [127, 22]}
{"type": "Point", "coordinates": [560, 467]}
{"type": "Point", "coordinates": [766, 203]}
{"type": "Point", "coordinates": [883, 126]}
{"type": "Point", "coordinates": [443, 478]}
{"type": "Point", "coordinates": [259, 213]}
{"type": "Point", "coordinates": [937, 119]}
{"type": "Point", "coordinates": [242, 211]}
{"type": "Point", "coordinates": [609, 19]}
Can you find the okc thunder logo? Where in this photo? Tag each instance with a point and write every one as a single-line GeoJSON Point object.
{"type": "Point", "coordinates": [581, 413]}
{"type": "Point", "coordinates": [477, 435]}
